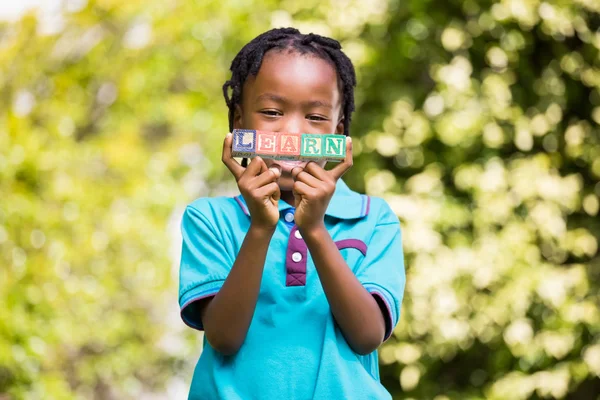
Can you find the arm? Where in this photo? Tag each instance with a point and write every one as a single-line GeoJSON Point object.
{"type": "Point", "coordinates": [226, 317]}
{"type": "Point", "coordinates": [355, 310]}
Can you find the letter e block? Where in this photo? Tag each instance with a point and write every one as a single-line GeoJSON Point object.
{"type": "Point", "coordinates": [266, 143]}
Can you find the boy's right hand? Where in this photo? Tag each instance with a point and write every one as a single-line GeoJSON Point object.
{"type": "Point", "coordinates": [258, 185]}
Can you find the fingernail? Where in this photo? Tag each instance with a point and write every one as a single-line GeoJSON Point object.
{"type": "Point", "coordinates": [349, 140]}
{"type": "Point", "coordinates": [276, 169]}
{"type": "Point", "coordinates": [229, 134]}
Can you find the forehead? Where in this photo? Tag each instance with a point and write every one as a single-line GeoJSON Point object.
{"type": "Point", "coordinates": [295, 76]}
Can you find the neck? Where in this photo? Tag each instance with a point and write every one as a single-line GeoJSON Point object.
{"type": "Point", "coordinates": [288, 197]}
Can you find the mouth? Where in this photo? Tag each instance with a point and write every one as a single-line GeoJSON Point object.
{"type": "Point", "coordinates": [288, 166]}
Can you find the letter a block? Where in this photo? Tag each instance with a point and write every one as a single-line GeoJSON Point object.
{"type": "Point", "coordinates": [289, 146]}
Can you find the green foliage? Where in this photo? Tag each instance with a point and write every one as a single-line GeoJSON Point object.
{"type": "Point", "coordinates": [477, 121]}
{"type": "Point", "coordinates": [481, 125]}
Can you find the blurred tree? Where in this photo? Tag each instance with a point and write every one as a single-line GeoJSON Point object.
{"type": "Point", "coordinates": [104, 123]}
{"type": "Point", "coordinates": [111, 120]}
{"type": "Point", "coordinates": [481, 129]}
{"type": "Point", "coordinates": [477, 121]}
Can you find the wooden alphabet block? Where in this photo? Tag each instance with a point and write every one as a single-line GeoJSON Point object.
{"type": "Point", "coordinates": [243, 143]}
{"type": "Point", "coordinates": [312, 147]}
{"type": "Point", "coordinates": [334, 147]}
{"type": "Point", "coordinates": [266, 143]}
{"type": "Point", "coordinates": [288, 146]}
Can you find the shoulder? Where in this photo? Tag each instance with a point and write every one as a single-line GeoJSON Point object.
{"type": "Point", "coordinates": [207, 205]}
{"type": "Point", "coordinates": [212, 210]}
{"type": "Point", "coordinates": [380, 212]}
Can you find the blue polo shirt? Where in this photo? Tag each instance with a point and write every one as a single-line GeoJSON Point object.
{"type": "Point", "coordinates": [294, 348]}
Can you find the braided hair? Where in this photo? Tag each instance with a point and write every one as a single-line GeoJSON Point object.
{"type": "Point", "coordinates": [249, 59]}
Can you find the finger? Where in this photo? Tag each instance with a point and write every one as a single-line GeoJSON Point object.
{"type": "Point", "coordinates": [276, 170]}
{"type": "Point", "coordinates": [295, 171]}
{"type": "Point", "coordinates": [266, 177]}
{"type": "Point", "coordinates": [303, 189]}
{"type": "Point", "coordinates": [236, 169]}
{"type": "Point", "coordinates": [316, 170]}
{"type": "Point", "coordinates": [297, 199]}
{"type": "Point", "coordinates": [271, 189]}
{"type": "Point", "coordinates": [276, 195]}
{"type": "Point", "coordinates": [345, 165]}
{"type": "Point", "coordinates": [309, 179]}
{"type": "Point", "coordinates": [257, 166]}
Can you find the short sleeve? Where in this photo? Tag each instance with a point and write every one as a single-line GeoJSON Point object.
{"type": "Point", "coordinates": [382, 270]}
{"type": "Point", "coordinates": [204, 265]}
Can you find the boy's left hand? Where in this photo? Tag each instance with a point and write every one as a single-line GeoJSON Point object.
{"type": "Point", "coordinates": [313, 189]}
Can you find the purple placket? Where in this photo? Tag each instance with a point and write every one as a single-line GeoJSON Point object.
{"type": "Point", "coordinates": [296, 256]}
{"type": "Point", "coordinates": [295, 259]}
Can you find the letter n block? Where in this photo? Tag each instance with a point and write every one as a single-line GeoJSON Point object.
{"type": "Point", "coordinates": [289, 146]}
{"type": "Point", "coordinates": [243, 143]}
{"type": "Point", "coordinates": [312, 147]}
{"type": "Point", "coordinates": [334, 147]}
{"type": "Point", "coordinates": [266, 143]}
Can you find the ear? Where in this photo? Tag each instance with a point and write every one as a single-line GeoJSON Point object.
{"type": "Point", "coordinates": [339, 128]}
{"type": "Point", "coordinates": [238, 121]}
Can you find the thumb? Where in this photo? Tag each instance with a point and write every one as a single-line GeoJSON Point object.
{"type": "Point", "coordinates": [297, 198]}
{"type": "Point", "coordinates": [276, 195]}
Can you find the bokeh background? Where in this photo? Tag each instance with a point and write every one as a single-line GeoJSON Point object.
{"type": "Point", "coordinates": [478, 121]}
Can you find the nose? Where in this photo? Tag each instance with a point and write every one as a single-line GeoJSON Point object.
{"type": "Point", "coordinates": [294, 124]}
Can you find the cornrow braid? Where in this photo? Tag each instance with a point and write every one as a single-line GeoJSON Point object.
{"type": "Point", "coordinates": [249, 59]}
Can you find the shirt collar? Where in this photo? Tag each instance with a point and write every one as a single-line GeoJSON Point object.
{"type": "Point", "coordinates": [345, 203]}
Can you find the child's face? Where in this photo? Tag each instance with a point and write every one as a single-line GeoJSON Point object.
{"type": "Point", "coordinates": [291, 93]}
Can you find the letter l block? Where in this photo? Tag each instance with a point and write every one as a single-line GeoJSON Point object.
{"type": "Point", "coordinates": [244, 143]}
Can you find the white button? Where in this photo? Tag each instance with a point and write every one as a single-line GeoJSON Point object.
{"type": "Point", "coordinates": [296, 257]}
{"type": "Point", "coordinates": [298, 234]}
{"type": "Point", "coordinates": [289, 217]}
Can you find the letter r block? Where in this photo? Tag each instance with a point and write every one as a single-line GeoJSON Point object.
{"type": "Point", "coordinates": [312, 147]}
